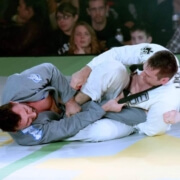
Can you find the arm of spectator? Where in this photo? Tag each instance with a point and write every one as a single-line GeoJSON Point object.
{"type": "Point", "coordinates": [79, 49]}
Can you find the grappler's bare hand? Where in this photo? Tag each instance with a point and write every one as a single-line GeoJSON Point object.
{"type": "Point", "coordinates": [80, 77]}
{"type": "Point", "coordinates": [72, 108]}
{"type": "Point", "coordinates": [171, 117]}
{"type": "Point", "coordinates": [112, 105]}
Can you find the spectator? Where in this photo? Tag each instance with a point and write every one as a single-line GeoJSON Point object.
{"type": "Point", "coordinates": [83, 40]}
{"type": "Point", "coordinates": [123, 9]}
{"type": "Point", "coordinates": [104, 27]}
{"type": "Point", "coordinates": [8, 9]}
{"type": "Point", "coordinates": [174, 44]}
{"type": "Point", "coordinates": [176, 7]}
{"type": "Point", "coordinates": [27, 35]}
{"type": "Point", "coordinates": [66, 17]}
{"type": "Point", "coordinates": [52, 6]}
{"type": "Point", "coordinates": [153, 13]}
{"type": "Point", "coordinates": [140, 33]}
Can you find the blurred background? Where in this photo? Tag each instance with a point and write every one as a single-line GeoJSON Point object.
{"type": "Point", "coordinates": [86, 27]}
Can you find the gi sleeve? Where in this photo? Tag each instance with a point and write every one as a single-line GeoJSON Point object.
{"type": "Point", "coordinates": [127, 55]}
{"type": "Point", "coordinates": [154, 124]}
{"type": "Point", "coordinates": [55, 130]}
{"type": "Point", "coordinates": [34, 84]}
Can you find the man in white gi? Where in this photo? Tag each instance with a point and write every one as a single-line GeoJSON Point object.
{"type": "Point", "coordinates": [155, 102]}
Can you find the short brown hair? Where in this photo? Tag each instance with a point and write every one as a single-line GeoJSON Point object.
{"type": "Point", "coordinates": [165, 61]}
{"type": "Point", "coordinates": [8, 119]}
{"type": "Point", "coordinates": [66, 8]}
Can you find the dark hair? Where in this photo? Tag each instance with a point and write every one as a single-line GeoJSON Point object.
{"type": "Point", "coordinates": [105, 1]}
{"type": "Point", "coordinates": [65, 8]}
{"type": "Point", "coordinates": [165, 61]}
{"type": "Point", "coordinates": [144, 27]}
{"type": "Point", "coordinates": [8, 119]}
{"type": "Point", "coordinates": [40, 8]}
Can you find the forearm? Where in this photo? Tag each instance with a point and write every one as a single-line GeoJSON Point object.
{"type": "Point", "coordinates": [80, 77]}
{"type": "Point", "coordinates": [72, 107]}
{"type": "Point", "coordinates": [81, 98]}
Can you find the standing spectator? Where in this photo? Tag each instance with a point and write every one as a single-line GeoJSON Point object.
{"type": "Point", "coordinates": [27, 35]}
{"type": "Point", "coordinates": [66, 17]}
{"type": "Point", "coordinates": [104, 27]}
{"type": "Point", "coordinates": [140, 33]}
{"type": "Point", "coordinates": [83, 40]}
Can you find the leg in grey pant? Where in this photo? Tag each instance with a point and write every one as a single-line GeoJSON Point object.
{"type": "Point", "coordinates": [129, 115]}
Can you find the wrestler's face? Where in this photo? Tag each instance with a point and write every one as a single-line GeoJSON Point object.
{"type": "Point", "coordinates": [27, 113]}
{"type": "Point", "coordinates": [150, 76]}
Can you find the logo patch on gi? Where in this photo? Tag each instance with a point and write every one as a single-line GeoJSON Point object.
{"type": "Point", "coordinates": [146, 50]}
{"type": "Point", "coordinates": [36, 133]}
{"type": "Point", "coordinates": [142, 98]}
{"type": "Point", "coordinates": [35, 77]}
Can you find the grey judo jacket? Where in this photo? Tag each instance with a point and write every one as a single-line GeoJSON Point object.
{"type": "Point", "coordinates": [35, 84]}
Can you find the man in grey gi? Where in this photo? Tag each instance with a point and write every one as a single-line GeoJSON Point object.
{"type": "Point", "coordinates": [34, 105]}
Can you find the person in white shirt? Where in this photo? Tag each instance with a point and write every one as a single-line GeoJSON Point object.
{"type": "Point", "coordinates": [100, 83]}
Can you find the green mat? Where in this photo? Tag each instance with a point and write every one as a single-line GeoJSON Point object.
{"type": "Point", "coordinates": [67, 64]}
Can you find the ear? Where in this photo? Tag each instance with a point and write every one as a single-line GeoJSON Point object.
{"type": "Point", "coordinates": [107, 8]}
{"type": "Point", "coordinates": [149, 39]}
{"type": "Point", "coordinates": [164, 80]}
{"type": "Point", "coordinates": [88, 11]}
{"type": "Point", "coordinates": [76, 17]}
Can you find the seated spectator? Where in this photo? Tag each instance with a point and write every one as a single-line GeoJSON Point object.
{"type": "Point", "coordinates": [140, 33]}
{"type": "Point", "coordinates": [8, 8]}
{"type": "Point", "coordinates": [83, 40]}
{"type": "Point", "coordinates": [66, 17]}
{"type": "Point", "coordinates": [174, 44]}
{"type": "Point", "coordinates": [104, 27]}
{"type": "Point", "coordinates": [123, 10]}
{"type": "Point", "coordinates": [153, 13]}
{"type": "Point", "coordinates": [52, 6]}
{"type": "Point", "coordinates": [27, 35]}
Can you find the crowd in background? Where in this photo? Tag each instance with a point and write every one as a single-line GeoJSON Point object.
{"type": "Point", "coordinates": [68, 27]}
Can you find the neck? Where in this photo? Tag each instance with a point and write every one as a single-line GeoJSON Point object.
{"type": "Point", "coordinates": [68, 33]}
{"type": "Point", "coordinates": [98, 26]}
{"type": "Point", "coordinates": [138, 84]}
{"type": "Point", "coordinates": [87, 50]}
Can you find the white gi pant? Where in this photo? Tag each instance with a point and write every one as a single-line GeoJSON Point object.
{"type": "Point", "coordinates": [106, 81]}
